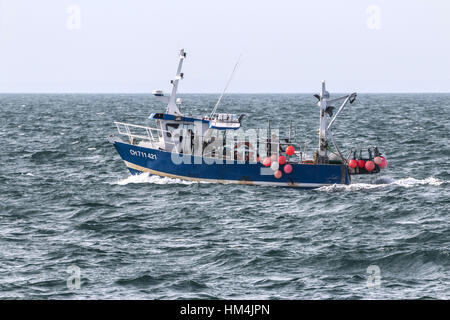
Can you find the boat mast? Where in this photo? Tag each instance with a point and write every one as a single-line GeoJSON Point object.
{"type": "Point", "coordinates": [324, 103]}
{"type": "Point", "coordinates": [321, 153]}
{"type": "Point", "coordinates": [172, 107]}
{"type": "Point", "coordinates": [172, 101]}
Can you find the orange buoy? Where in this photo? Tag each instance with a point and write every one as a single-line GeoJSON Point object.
{"type": "Point", "coordinates": [281, 160]}
{"type": "Point", "coordinates": [290, 150]}
{"type": "Point", "coordinates": [361, 163]}
{"type": "Point", "coordinates": [287, 168]}
{"type": "Point", "coordinates": [267, 162]}
{"type": "Point", "coordinates": [278, 174]}
{"type": "Point", "coordinates": [353, 163]}
{"type": "Point", "coordinates": [369, 165]}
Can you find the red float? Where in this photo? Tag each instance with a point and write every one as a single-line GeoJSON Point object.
{"type": "Point", "coordinates": [383, 164]}
{"type": "Point", "coordinates": [267, 162]}
{"type": "Point", "coordinates": [290, 150]}
{"type": "Point", "coordinates": [369, 165]}
{"type": "Point", "coordinates": [281, 160]}
{"type": "Point", "coordinates": [377, 160]}
{"type": "Point", "coordinates": [361, 163]}
{"type": "Point", "coordinates": [278, 174]}
{"type": "Point", "coordinates": [353, 163]}
{"type": "Point", "coordinates": [287, 168]}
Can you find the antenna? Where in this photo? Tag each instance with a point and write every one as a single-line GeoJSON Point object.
{"type": "Point", "coordinates": [226, 86]}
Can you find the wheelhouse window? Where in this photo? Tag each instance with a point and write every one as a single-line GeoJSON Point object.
{"type": "Point", "coordinates": [170, 127]}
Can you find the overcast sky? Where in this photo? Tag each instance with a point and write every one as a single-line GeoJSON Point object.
{"type": "Point", "coordinates": [286, 46]}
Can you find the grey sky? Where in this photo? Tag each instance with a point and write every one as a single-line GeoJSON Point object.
{"type": "Point", "coordinates": [287, 46]}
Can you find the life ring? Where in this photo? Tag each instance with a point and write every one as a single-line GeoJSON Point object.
{"type": "Point", "coordinates": [238, 155]}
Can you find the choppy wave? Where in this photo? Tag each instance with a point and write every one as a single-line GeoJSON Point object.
{"type": "Point", "coordinates": [69, 200]}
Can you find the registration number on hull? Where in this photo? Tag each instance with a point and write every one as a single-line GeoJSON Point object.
{"type": "Point", "coordinates": [142, 154]}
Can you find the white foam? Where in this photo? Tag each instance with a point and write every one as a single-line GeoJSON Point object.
{"type": "Point", "coordinates": [27, 174]}
{"type": "Point", "coordinates": [411, 182]}
{"type": "Point", "coordinates": [406, 183]}
{"type": "Point", "coordinates": [147, 178]}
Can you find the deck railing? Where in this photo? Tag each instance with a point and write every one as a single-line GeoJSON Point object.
{"type": "Point", "coordinates": [150, 134]}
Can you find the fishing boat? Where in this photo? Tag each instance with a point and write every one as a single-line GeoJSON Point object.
{"type": "Point", "coordinates": [214, 148]}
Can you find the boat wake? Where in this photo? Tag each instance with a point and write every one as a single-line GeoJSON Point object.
{"type": "Point", "coordinates": [385, 182]}
{"type": "Point", "coordinates": [376, 184]}
{"type": "Point", "coordinates": [148, 178]}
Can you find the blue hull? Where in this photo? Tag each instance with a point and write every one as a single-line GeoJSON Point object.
{"type": "Point", "coordinates": [157, 162]}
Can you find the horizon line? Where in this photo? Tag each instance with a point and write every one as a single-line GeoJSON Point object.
{"type": "Point", "coordinates": [230, 93]}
